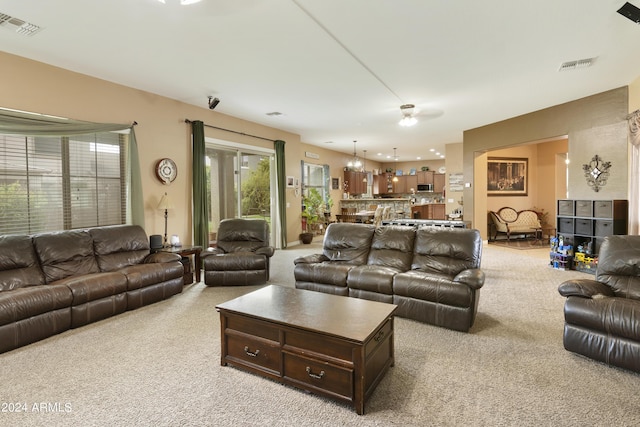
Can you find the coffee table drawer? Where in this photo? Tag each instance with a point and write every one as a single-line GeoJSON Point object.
{"type": "Point", "coordinates": [318, 376]}
{"type": "Point", "coordinates": [379, 337]}
{"type": "Point", "coordinates": [254, 327]}
{"type": "Point", "coordinates": [326, 346]}
{"type": "Point", "coordinates": [256, 352]}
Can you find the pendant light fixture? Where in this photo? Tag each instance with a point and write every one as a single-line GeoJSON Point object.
{"type": "Point", "coordinates": [395, 159]}
{"type": "Point", "coordinates": [364, 165]}
{"type": "Point", "coordinates": [355, 162]}
{"type": "Point", "coordinates": [407, 115]}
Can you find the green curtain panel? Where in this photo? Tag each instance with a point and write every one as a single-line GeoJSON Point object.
{"type": "Point", "coordinates": [135, 203]}
{"type": "Point", "coordinates": [200, 208]}
{"type": "Point", "coordinates": [281, 177]}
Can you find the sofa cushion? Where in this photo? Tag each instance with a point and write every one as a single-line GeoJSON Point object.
{"type": "Point", "coordinates": [374, 278]}
{"type": "Point", "coordinates": [30, 301]}
{"type": "Point", "coordinates": [619, 265]}
{"type": "Point", "coordinates": [392, 246]}
{"type": "Point", "coordinates": [143, 275]}
{"type": "Point", "coordinates": [347, 242]}
{"type": "Point", "coordinates": [91, 287]}
{"type": "Point", "coordinates": [615, 317]}
{"type": "Point", "coordinates": [65, 253]}
{"type": "Point", "coordinates": [18, 263]}
{"type": "Point", "coordinates": [242, 235]}
{"type": "Point", "coordinates": [446, 251]}
{"type": "Point", "coordinates": [327, 273]}
{"type": "Point", "coordinates": [436, 287]}
{"type": "Point", "coordinates": [119, 246]}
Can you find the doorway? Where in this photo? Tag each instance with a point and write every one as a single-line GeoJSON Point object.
{"type": "Point", "coordinates": [240, 184]}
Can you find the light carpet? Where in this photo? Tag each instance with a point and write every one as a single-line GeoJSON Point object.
{"type": "Point", "coordinates": [160, 366]}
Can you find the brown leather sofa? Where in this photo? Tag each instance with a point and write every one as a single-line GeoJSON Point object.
{"type": "Point", "coordinates": [241, 256]}
{"type": "Point", "coordinates": [52, 282]}
{"type": "Point", "coordinates": [432, 273]}
{"type": "Point", "coordinates": [602, 316]}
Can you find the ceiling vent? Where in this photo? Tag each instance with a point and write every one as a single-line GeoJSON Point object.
{"type": "Point", "coordinates": [18, 25]}
{"type": "Point", "coordinates": [630, 11]}
{"type": "Point", "coordinates": [274, 114]}
{"type": "Point", "coordinates": [574, 65]}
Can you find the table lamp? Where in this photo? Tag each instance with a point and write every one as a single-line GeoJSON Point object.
{"type": "Point", "coordinates": [165, 204]}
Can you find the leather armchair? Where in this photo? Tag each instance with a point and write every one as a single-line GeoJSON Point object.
{"type": "Point", "coordinates": [602, 316]}
{"type": "Point", "coordinates": [242, 254]}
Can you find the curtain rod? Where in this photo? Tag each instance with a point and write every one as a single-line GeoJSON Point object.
{"type": "Point", "coordinates": [232, 131]}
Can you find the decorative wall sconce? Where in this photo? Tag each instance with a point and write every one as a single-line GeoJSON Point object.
{"type": "Point", "coordinates": [596, 172]}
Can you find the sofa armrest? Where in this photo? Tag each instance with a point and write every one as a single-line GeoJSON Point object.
{"type": "Point", "coordinates": [160, 257]}
{"type": "Point", "coordinates": [310, 259]}
{"type": "Point", "coordinates": [586, 288]}
{"type": "Point", "coordinates": [472, 277]}
{"type": "Point", "coordinates": [266, 250]}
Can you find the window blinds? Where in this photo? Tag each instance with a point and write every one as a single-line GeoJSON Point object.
{"type": "Point", "coordinates": [54, 183]}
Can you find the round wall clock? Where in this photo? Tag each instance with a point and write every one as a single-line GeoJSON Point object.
{"type": "Point", "coordinates": [166, 170]}
{"type": "Point", "coordinates": [442, 169]}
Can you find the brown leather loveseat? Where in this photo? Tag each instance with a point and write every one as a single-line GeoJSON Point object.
{"type": "Point", "coordinates": [432, 273]}
{"type": "Point", "coordinates": [602, 316]}
{"type": "Point", "coordinates": [52, 282]}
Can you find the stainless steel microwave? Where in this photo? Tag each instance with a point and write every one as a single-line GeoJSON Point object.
{"type": "Point", "coordinates": [425, 187]}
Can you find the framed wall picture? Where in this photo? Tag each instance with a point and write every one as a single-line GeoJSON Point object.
{"type": "Point", "coordinates": [290, 182]}
{"type": "Point", "coordinates": [335, 183]}
{"type": "Point", "coordinates": [507, 176]}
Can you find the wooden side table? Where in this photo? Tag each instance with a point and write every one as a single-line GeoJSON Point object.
{"type": "Point", "coordinates": [186, 251]}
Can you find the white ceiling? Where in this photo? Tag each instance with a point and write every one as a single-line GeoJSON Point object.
{"type": "Point", "coordinates": [338, 70]}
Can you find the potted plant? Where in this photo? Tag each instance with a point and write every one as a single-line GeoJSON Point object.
{"type": "Point", "coordinates": [312, 211]}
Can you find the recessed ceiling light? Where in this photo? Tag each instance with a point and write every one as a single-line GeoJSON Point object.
{"type": "Point", "coordinates": [418, 158]}
{"type": "Point", "coordinates": [432, 149]}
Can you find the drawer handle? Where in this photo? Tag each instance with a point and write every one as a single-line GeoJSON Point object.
{"type": "Point", "coordinates": [316, 376]}
{"type": "Point", "coordinates": [379, 336]}
{"type": "Point", "coordinates": [246, 350]}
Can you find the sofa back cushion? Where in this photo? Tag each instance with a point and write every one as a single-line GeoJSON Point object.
{"type": "Point", "coordinates": [348, 242]}
{"type": "Point", "coordinates": [65, 253]}
{"type": "Point", "coordinates": [19, 266]}
{"type": "Point", "coordinates": [619, 265]}
{"type": "Point", "coordinates": [242, 235]}
{"type": "Point", "coordinates": [446, 250]}
{"type": "Point", "coordinates": [392, 246]}
{"type": "Point", "coordinates": [119, 246]}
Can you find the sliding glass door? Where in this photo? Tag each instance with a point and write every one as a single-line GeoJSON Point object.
{"type": "Point", "coordinates": [241, 184]}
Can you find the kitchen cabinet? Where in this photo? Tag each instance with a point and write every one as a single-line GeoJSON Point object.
{"type": "Point", "coordinates": [355, 182]}
{"type": "Point", "coordinates": [425, 177]}
{"type": "Point", "coordinates": [438, 182]}
{"type": "Point", "coordinates": [429, 211]}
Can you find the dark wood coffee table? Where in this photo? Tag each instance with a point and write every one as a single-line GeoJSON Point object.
{"type": "Point", "coordinates": [335, 346]}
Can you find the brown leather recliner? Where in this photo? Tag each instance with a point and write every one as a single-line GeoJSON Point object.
{"type": "Point", "coordinates": [602, 316]}
{"type": "Point", "coordinates": [242, 254]}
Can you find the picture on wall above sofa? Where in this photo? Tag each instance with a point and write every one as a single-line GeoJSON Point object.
{"type": "Point", "coordinates": [507, 176]}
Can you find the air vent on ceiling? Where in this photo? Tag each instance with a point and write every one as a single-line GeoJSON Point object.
{"type": "Point", "coordinates": [630, 11]}
{"type": "Point", "coordinates": [274, 114]}
{"type": "Point", "coordinates": [18, 25]}
{"type": "Point", "coordinates": [580, 63]}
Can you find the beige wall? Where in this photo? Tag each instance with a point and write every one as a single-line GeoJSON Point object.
{"type": "Point", "coordinates": [161, 132]}
{"type": "Point", "coordinates": [594, 125]}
